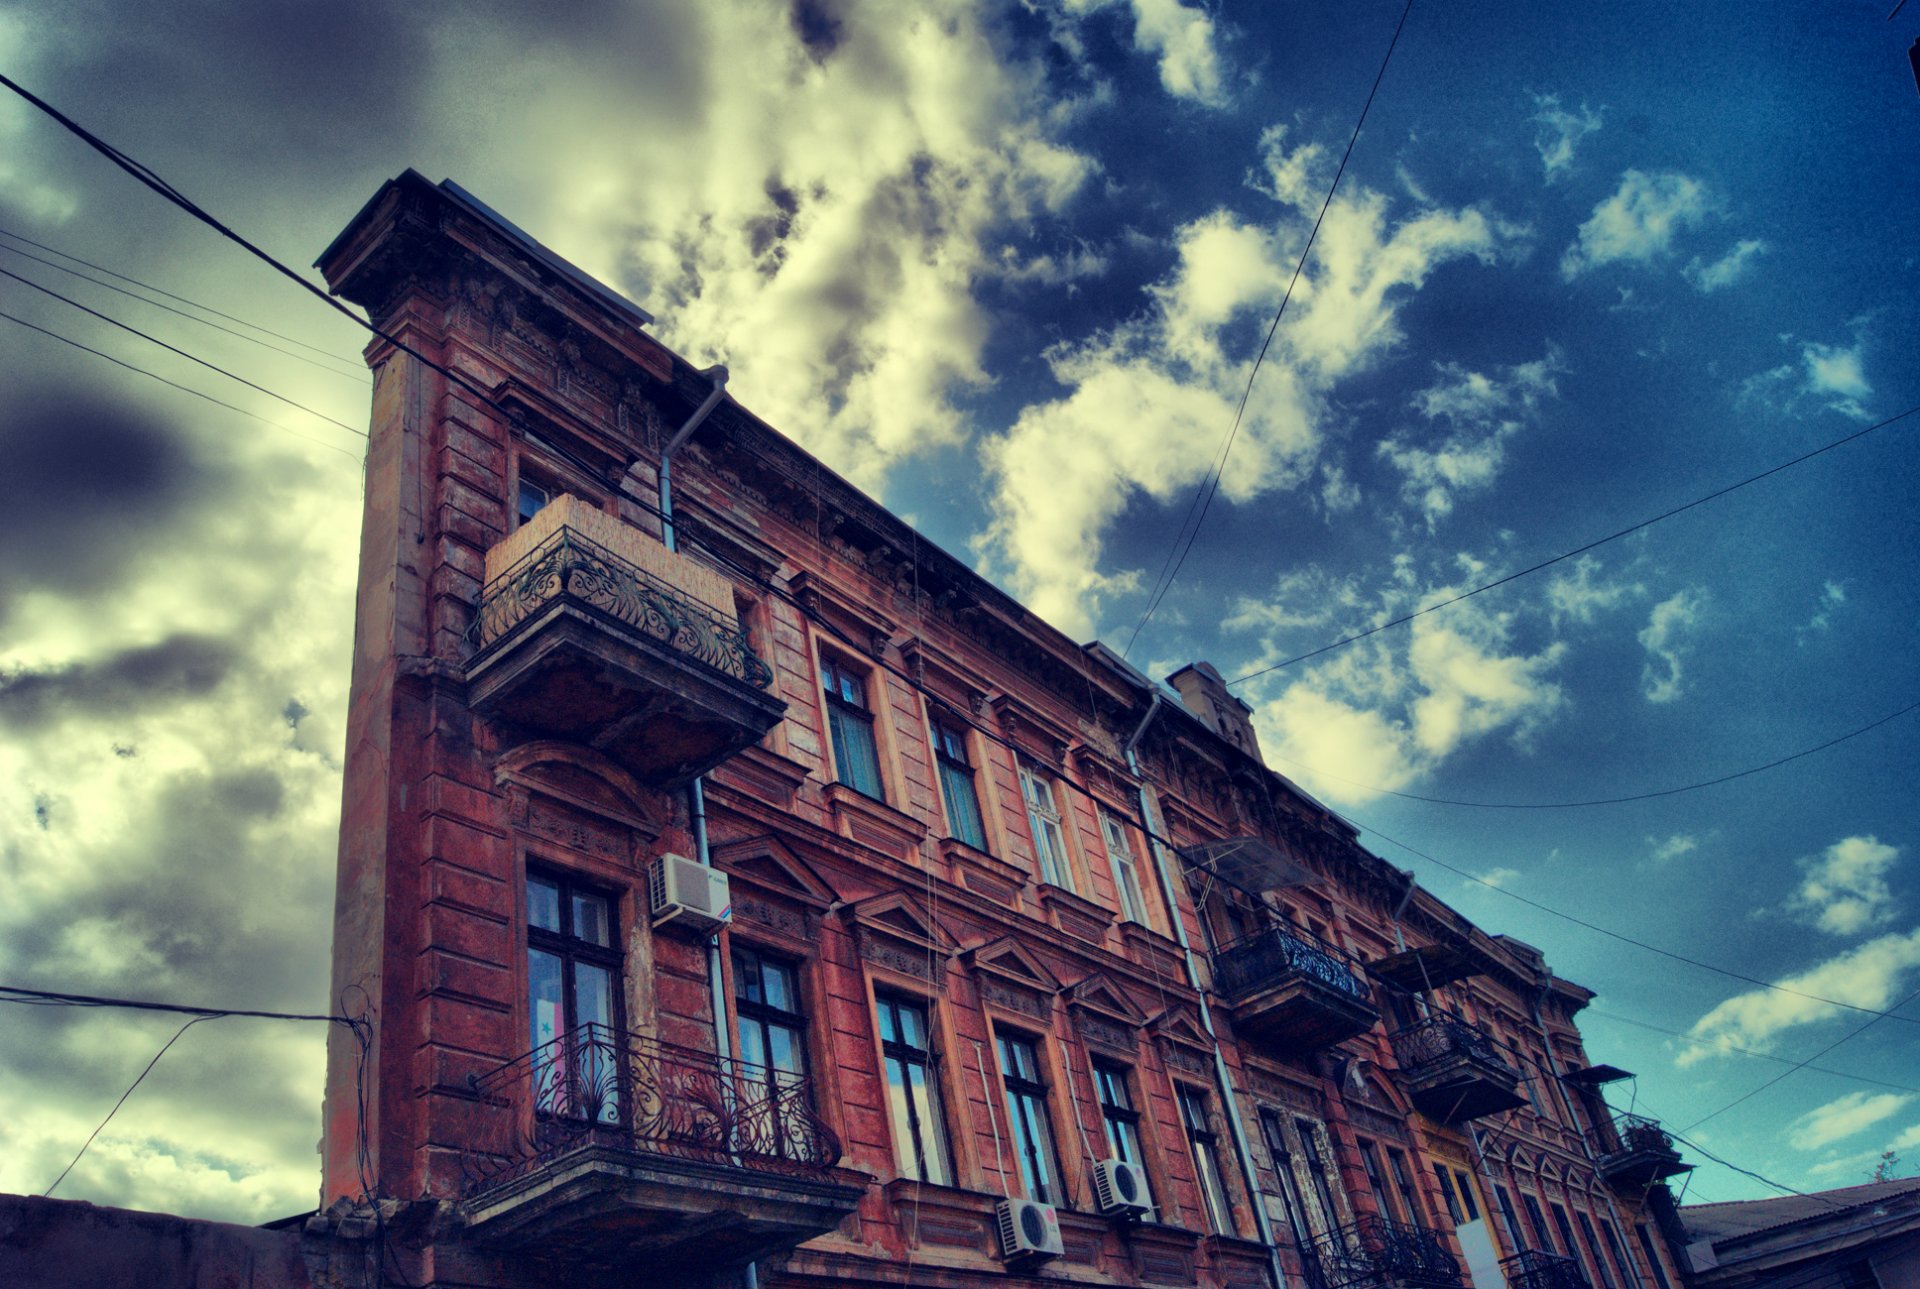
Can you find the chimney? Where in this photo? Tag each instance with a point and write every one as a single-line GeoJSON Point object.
{"type": "Point", "coordinates": [1205, 695]}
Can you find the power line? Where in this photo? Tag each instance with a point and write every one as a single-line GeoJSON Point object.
{"type": "Point", "coordinates": [1748, 1051]}
{"type": "Point", "coordinates": [181, 352]}
{"type": "Point", "coordinates": [1580, 550]}
{"type": "Point", "coordinates": [1627, 939]}
{"type": "Point", "coordinates": [185, 389]}
{"type": "Point", "coordinates": [1612, 801]}
{"type": "Point", "coordinates": [48, 998]}
{"type": "Point", "coordinates": [1203, 496]}
{"type": "Point", "coordinates": [157, 290]}
{"type": "Point", "coordinates": [356, 375]}
{"type": "Point", "coordinates": [122, 1101]}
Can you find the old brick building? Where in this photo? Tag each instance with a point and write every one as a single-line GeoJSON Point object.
{"type": "Point", "coordinates": [1008, 921]}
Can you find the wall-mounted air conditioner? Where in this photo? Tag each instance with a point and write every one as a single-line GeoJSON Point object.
{"type": "Point", "coordinates": [1029, 1231]}
{"type": "Point", "coordinates": [688, 894]}
{"type": "Point", "coordinates": [1120, 1189]}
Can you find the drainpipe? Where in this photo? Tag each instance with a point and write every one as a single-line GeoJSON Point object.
{"type": "Point", "coordinates": [1229, 1102]}
{"type": "Point", "coordinates": [696, 791]}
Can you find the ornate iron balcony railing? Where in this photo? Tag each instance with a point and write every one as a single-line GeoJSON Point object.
{"type": "Point", "coordinates": [568, 565]}
{"type": "Point", "coordinates": [1266, 957]}
{"type": "Point", "coordinates": [1375, 1253]}
{"type": "Point", "coordinates": [1533, 1269]}
{"type": "Point", "coordinates": [1630, 1134]}
{"type": "Point", "coordinates": [1442, 1037]}
{"type": "Point", "coordinates": [594, 1086]}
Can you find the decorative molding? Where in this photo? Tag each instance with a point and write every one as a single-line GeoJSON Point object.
{"type": "Point", "coordinates": [860, 818]}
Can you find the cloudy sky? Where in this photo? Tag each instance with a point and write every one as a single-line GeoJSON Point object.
{"type": "Point", "coordinates": [1007, 266]}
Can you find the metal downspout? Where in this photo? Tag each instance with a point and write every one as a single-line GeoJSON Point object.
{"type": "Point", "coordinates": [696, 791]}
{"type": "Point", "coordinates": [1230, 1102]}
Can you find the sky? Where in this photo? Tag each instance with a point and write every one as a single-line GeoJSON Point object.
{"type": "Point", "coordinates": [1007, 266]}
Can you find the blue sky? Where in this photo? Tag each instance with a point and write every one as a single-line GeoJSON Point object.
{"type": "Point", "coordinates": [1007, 266]}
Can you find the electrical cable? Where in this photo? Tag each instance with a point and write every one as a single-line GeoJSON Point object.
{"type": "Point", "coordinates": [1720, 1047]}
{"type": "Point", "coordinates": [1581, 550]}
{"type": "Point", "coordinates": [205, 308]}
{"type": "Point", "coordinates": [185, 389]}
{"type": "Point", "coordinates": [1611, 801]}
{"type": "Point", "coordinates": [1627, 939]}
{"type": "Point", "coordinates": [357, 375]}
{"type": "Point", "coordinates": [1203, 496]}
{"type": "Point", "coordinates": [181, 352]}
{"type": "Point", "coordinates": [47, 1193]}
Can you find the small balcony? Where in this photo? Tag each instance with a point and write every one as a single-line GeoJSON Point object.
{"type": "Point", "coordinates": [1288, 988]}
{"type": "Point", "coordinates": [1533, 1269]}
{"type": "Point", "coordinates": [591, 631]}
{"type": "Point", "coordinates": [1375, 1253]}
{"type": "Point", "coordinates": [1453, 1071]}
{"type": "Point", "coordinates": [602, 1150]}
{"type": "Point", "coordinates": [1635, 1152]}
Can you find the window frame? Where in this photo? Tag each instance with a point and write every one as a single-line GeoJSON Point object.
{"type": "Point", "coordinates": [926, 1060]}
{"type": "Point", "coordinates": [572, 951]}
{"type": "Point", "coordinates": [1029, 1116]}
{"type": "Point", "coordinates": [1318, 1160]}
{"type": "Point", "coordinates": [1125, 863]}
{"type": "Point", "coordinates": [956, 772]}
{"type": "Point", "coordinates": [836, 678]}
{"type": "Point", "coordinates": [1203, 1144]}
{"type": "Point", "coordinates": [1045, 818]}
{"type": "Point", "coordinates": [1120, 1120]}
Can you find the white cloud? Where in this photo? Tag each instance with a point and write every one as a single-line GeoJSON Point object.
{"type": "Point", "coordinates": [1661, 679]}
{"type": "Point", "coordinates": [1838, 374]}
{"type": "Point", "coordinates": [1183, 39]}
{"type": "Point", "coordinates": [1673, 847]}
{"type": "Point", "coordinates": [1871, 975]}
{"type": "Point", "coordinates": [1726, 270]}
{"type": "Point", "coordinates": [1558, 131]}
{"type": "Point", "coordinates": [1148, 401]}
{"type": "Point", "coordinates": [1845, 891]}
{"type": "Point", "coordinates": [1638, 223]}
{"type": "Point", "coordinates": [1499, 878]}
{"type": "Point", "coordinates": [1837, 1120]}
{"type": "Point", "coordinates": [1479, 414]}
{"type": "Point", "coordinates": [1832, 596]}
{"type": "Point", "coordinates": [1581, 595]}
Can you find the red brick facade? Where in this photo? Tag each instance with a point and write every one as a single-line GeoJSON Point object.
{"type": "Point", "coordinates": [478, 755]}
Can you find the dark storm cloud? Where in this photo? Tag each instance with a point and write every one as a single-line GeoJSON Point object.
{"type": "Point", "coordinates": [138, 679]}
{"type": "Point", "coordinates": [90, 483]}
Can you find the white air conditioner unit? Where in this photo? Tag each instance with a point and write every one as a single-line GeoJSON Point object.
{"type": "Point", "coordinates": [1029, 1231]}
{"type": "Point", "coordinates": [689, 894]}
{"type": "Point", "coordinates": [1120, 1189]}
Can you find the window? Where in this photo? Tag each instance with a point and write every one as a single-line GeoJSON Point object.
{"type": "Point", "coordinates": [913, 1098]}
{"type": "Point", "coordinates": [532, 499]}
{"type": "Point", "coordinates": [1206, 1157]}
{"type": "Point", "coordinates": [1043, 814]}
{"type": "Point", "coordinates": [573, 972]}
{"type": "Point", "coordinates": [1028, 1120]}
{"type": "Point", "coordinates": [1376, 1181]}
{"type": "Point", "coordinates": [771, 1033]}
{"type": "Point", "coordinates": [1403, 1182]}
{"type": "Point", "coordinates": [1512, 1220]}
{"type": "Point", "coordinates": [1618, 1251]}
{"type": "Point", "coordinates": [1653, 1256]}
{"type": "Point", "coordinates": [1317, 1171]}
{"type": "Point", "coordinates": [1537, 1223]}
{"type": "Point", "coordinates": [1593, 1251]}
{"type": "Point", "coordinates": [1566, 1230]}
{"type": "Point", "coordinates": [856, 758]}
{"type": "Point", "coordinates": [1467, 1199]}
{"type": "Point", "coordinates": [1126, 872]}
{"type": "Point", "coordinates": [1117, 1113]}
{"type": "Point", "coordinates": [1297, 1223]}
{"type": "Point", "coordinates": [956, 785]}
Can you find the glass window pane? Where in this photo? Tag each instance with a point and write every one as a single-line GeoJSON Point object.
{"type": "Point", "coordinates": [590, 919]}
{"type": "Point", "coordinates": [753, 1043]}
{"type": "Point", "coordinates": [784, 1050]}
{"type": "Point", "coordinates": [912, 1030]}
{"type": "Point", "coordinates": [543, 991]}
{"type": "Point", "coordinates": [543, 904]}
{"type": "Point", "coordinates": [932, 1136]}
{"type": "Point", "coordinates": [903, 1142]}
{"type": "Point", "coordinates": [592, 995]}
{"type": "Point", "coordinates": [777, 982]}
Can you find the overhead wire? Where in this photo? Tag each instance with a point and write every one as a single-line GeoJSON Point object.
{"type": "Point", "coordinates": [1614, 801]}
{"type": "Point", "coordinates": [175, 349]}
{"type": "Point", "coordinates": [1203, 496]}
{"type": "Point", "coordinates": [185, 389]}
{"type": "Point", "coordinates": [359, 374]}
{"type": "Point", "coordinates": [1579, 550]}
{"type": "Point", "coordinates": [138, 1080]}
{"type": "Point", "coordinates": [1720, 1046]}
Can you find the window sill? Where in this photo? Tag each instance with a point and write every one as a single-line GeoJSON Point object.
{"type": "Point", "coordinates": [860, 818]}
{"type": "Point", "coordinates": [1076, 915]}
{"type": "Point", "coordinates": [978, 871]}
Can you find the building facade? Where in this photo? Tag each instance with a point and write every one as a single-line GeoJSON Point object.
{"type": "Point", "coordinates": [1024, 967]}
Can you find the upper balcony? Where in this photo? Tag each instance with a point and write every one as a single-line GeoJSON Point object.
{"type": "Point", "coordinates": [1532, 1269]}
{"type": "Point", "coordinates": [606, 1150]}
{"type": "Point", "coordinates": [1374, 1253]}
{"type": "Point", "coordinates": [1453, 1071]}
{"type": "Point", "coordinates": [591, 631]}
{"type": "Point", "coordinates": [1287, 987]}
{"type": "Point", "coordinates": [1635, 1152]}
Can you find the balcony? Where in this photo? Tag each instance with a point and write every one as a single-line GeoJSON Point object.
{"type": "Point", "coordinates": [1375, 1253]}
{"type": "Point", "coordinates": [606, 1151]}
{"type": "Point", "coordinates": [1533, 1269]}
{"type": "Point", "coordinates": [1635, 1152]}
{"type": "Point", "coordinates": [1286, 987]}
{"type": "Point", "coordinates": [1453, 1071]}
{"type": "Point", "coordinates": [591, 631]}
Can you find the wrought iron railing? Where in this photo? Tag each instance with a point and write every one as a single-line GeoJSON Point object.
{"type": "Point", "coordinates": [596, 1087]}
{"type": "Point", "coordinates": [1533, 1269]}
{"type": "Point", "coordinates": [1628, 1135]}
{"type": "Point", "coordinates": [568, 565]}
{"type": "Point", "coordinates": [1443, 1037]}
{"type": "Point", "coordinates": [1266, 957]}
{"type": "Point", "coordinates": [1375, 1253]}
